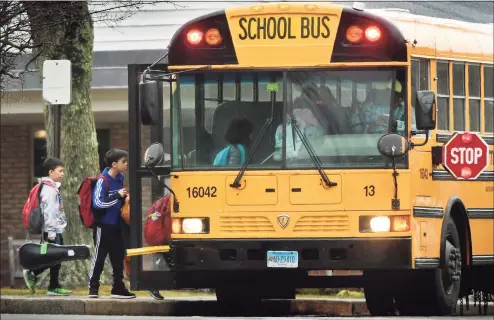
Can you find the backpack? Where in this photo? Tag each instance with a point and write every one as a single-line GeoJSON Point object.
{"type": "Point", "coordinates": [85, 192]}
{"type": "Point", "coordinates": [32, 215]}
{"type": "Point", "coordinates": [157, 229]}
{"type": "Point", "coordinates": [221, 158]}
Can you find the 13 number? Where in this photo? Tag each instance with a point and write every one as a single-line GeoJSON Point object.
{"type": "Point", "coordinates": [201, 192]}
{"type": "Point", "coordinates": [369, 191]}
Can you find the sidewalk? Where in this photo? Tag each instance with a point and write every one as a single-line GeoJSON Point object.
{"type": "Point", "coordinates": [188, 306]}
{"type": "Point", "coordinates": [185, 306]}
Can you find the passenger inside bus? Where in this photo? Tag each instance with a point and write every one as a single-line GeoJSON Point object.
{"type": "Point", "coordinates": [308, 123]}
{"type": "Point", "coordinates": [373, 115]}
{"type": "Point", "coordinates": [238, 137]}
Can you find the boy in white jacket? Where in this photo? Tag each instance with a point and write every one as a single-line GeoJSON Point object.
{"type": "Point", "coordinates": [53, 225]}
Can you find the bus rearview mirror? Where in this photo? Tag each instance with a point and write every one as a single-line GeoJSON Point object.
{"type": "Point", "coordinates": [153, 155]}
{"type": "Point", "coordinates": [393, 145]}
{"type": "Point", "coordinates": [425, 111]}
{"type": "Point", "coordinates": [149, 102]}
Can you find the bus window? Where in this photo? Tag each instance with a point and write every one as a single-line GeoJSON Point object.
{"type": "Point", "coordinates": [361, 92]}
{"type": "Point", "coordinates": [488, 98]}
{"type": "Point", "coordinates": [207, 111]}
{"type": "Point", "coordinates": [474, 96]}
{"type": "Point", "coordinates": [459, 96]}
{"type": "Point", "coordinates": [247, 86]}
{"type": "Point", "coordinates": [340, 134]}
{"type": "Point", "coordinates": [346, 94]}
{"type": "Point", "coordinates": [443, 95]}
{"type": "Point", "coordinates": [420, 81]}
{"type": "Point", "coordinates": [229, 86]}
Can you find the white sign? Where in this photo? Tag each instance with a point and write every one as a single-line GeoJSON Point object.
{"type": "Point", "coordinates": [57, 81]}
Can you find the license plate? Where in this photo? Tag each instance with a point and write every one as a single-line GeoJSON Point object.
{"type": "Point", "coordinates": [282, 259]}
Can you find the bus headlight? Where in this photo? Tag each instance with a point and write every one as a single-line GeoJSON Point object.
{"type": "Point", "coordinates": [384, 224]}
{"type": "Point", "coordinates": [190, 225]}
{"type": "Point", "coordinates": [380, 224]}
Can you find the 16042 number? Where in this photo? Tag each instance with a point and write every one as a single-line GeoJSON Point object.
{"type": "Point", "coordinates": [201, 192]}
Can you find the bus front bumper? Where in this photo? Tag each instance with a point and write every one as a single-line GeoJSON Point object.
{"type": "Point", "coordinates": [313, 254]}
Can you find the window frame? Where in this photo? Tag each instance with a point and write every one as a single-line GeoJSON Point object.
{"type": "Point", "coordinates": [474, 97]}
{"type": "Point", "coordinates": [427, 62]}
{"type": "Point", "coordinates": [178, 165]}
{"type": "Point", "coordinates": [483, 116]}
{"type": "Point", "coordinates": [455, 97]}
{"type": "Point", "coordinates": [447, 97]}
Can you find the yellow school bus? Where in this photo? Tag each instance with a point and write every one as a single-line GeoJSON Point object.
{"type": "Point", "coordinates": [308, 136]}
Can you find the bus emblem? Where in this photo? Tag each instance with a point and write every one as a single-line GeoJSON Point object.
{"type": "Point", "coordinates": [283, 220]}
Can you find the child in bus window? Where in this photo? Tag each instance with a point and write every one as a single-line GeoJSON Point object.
{"type": "Point", "coordinates": [238, 138]}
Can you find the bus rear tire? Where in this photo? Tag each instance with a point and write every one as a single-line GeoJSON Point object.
{"type": "Point", "coordinates": [435, 291]}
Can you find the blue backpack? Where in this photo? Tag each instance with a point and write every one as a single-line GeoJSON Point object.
{"type": "Point", "coordinates": [222, 157]}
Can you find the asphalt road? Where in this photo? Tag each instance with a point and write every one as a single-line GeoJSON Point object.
{"type": "Point", "coordinates": [74, 317]}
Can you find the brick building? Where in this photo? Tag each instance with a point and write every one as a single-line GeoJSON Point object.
{"type": "Point", "coordinates": [142, 38]}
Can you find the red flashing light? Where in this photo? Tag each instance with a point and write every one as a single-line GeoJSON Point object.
{"type": "Point", "coordinates": [466, 172]}
{"type": "Point", "coordinates": [373, 34]}
{"type": "Point", "coordinates": [466, 138]}
{"type": "Point", "coordinates": [194, 36]}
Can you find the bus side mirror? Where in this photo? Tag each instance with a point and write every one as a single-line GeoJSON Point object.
{"type": "Point", "coordinates": [393, 145]}
{"type": "Point", "coordinates": [154, 155]}
{"type": "Point", "coordinates": [425, 110]}
{"type": "Point", "coordinates": [149, 102]}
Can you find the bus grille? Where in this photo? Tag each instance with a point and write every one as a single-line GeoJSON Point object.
{"type": "Point", "coordinates": [245, 224]}
{"type": "Point", "coordinates": [322, 224]}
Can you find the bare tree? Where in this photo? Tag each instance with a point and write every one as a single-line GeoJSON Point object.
{"type": "Point", "coordinates": [63, 30]}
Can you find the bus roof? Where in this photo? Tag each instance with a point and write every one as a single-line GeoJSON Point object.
{"type": "Point", "coordinates": [443, 38]}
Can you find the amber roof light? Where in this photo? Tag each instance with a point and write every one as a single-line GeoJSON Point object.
{"type": "Point", "coordinates": [354, 34]}
{"type": "Point", "coordinates": [213, 37]}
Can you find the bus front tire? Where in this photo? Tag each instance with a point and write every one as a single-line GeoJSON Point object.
{"type": "Point", "coordinates": [435, 292]}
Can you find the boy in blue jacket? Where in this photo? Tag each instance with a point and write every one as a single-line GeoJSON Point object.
{"type": "Point", "coordinates": [108, 197]}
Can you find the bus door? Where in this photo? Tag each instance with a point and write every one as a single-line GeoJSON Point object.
{"type": "Point", "coordinates": [147, 127]}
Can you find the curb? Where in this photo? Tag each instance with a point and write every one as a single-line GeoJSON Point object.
{"type": "Point", "coordinates": [172, 307]}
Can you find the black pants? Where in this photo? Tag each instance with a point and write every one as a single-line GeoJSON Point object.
{"type": "Point", "coordinates": [55, 270]}
{"type": "Point", "coordinates": [107, 240]}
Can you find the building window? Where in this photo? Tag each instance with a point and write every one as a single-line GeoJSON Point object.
{"type": "Point", "coordinates": [104, 144]}
{"type": "Point", "coordinates": [459, 96]}
{"type": "Point", "coordinates": [40, 151]}
{"type": "Point", "coordinates": [474, 96]}
{"type": "Point", "coordinates": [443, 95]}
{"type": "Point", "coordinates": [488, 98]}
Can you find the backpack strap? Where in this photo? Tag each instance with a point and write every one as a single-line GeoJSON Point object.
{"type": "Point", "coordinates": [241, 148]}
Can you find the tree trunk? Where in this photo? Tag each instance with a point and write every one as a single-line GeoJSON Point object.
{"type": "Point", "coordinates": [66, 31]}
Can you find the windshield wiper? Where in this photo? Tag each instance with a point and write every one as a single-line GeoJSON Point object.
{"type": "Point", "coordinates": [313, 156]}
{"type": "Point", "coordinates": [236, 183]}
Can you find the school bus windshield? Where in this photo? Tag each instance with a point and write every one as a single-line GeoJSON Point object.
{"type": "Point", "coordinates": [340, 113]}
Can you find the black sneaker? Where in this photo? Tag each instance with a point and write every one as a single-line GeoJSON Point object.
{"type": "Point", "coordinates": [93, 293]}
{"type": "Point", "coordinates": [155, 294]}
{"type": "Point", "coordinates": [122, 293]}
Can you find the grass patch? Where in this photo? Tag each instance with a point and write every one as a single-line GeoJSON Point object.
{"type": "Point", "coordinates": [106, 289]}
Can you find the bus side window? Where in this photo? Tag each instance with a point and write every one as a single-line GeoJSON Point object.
{"type": "Point", "coordinates": [488, 98]}
{"type": "Point", "coordinates": [420, 81]}
{"type": "Point", "coordinates": [443, 95]}
{"type": "Point", "coordinates": [474, 96]}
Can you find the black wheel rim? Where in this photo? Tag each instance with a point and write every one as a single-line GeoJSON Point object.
{"type": "Point", "coordinates": [452, 266]}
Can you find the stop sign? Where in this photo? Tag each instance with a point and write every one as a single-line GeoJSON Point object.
{"type": "Point", "coordinates": [466, 155]}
